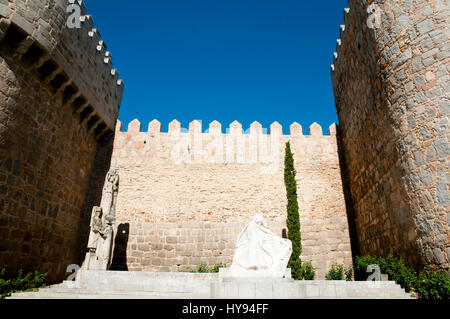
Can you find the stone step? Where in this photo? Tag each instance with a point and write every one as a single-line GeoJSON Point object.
{"type": "Point", "coordinates": [306, 289]}
{"type": "Point", "coordinates": [123, 285]}
{"type": "Point", "coordinates": [139, 295]}
{"type": "Point", "coordinates": [324, 291]}
{"type": "Point", "coordinates": [106, 296]}
{"type": "Point", "coordinates": [111, 292]}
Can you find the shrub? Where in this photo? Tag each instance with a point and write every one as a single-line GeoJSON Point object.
{"type": "Point", "coordinates": [428, 284]}
{"type": "Point", "coordinates": [336, 273]}
{"type": "Point", "coordinates": [361, 264]}
{"type": "Point", "coordinates": [339, 272]}
{"type": "Point", "coordinates": [216, 268]}
{"type": "Point", "coordinates": [203, 268]}
{"type": "Point", "coordinates": [307, 271]}
{"type": "Point", "coordinates": [394, 267]}
{"type": "Point", "coordinates": [349, 273]}
{"type": "Point", "coordinates": [293, 219]}
{"type": "Point", "coordinates": [5, 285]}
{"type": "Point", "coordinates": [20, 283]}
{"type": "Point", "coordinates": [433, 284]}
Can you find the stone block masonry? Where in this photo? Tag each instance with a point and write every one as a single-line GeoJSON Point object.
{"type": "Point", "coordinates": [391, 86]}
{"type": "Point", "coordinates": [185, 195]}
{"type": "Point", "coordinates": [59, 100]}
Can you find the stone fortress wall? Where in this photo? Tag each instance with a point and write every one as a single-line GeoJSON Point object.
{"type": "Point", "coordinates": [391, 85]}
{"type": "Point", "coordinates": [59, 100]}
{"type": "Point", "coordinates": [185, 195]}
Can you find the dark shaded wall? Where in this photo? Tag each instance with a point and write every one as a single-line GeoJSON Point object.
{"type": "Point", "coordinates": [55, 143]}
{"type": "Point", "coordinates": [391, 88]}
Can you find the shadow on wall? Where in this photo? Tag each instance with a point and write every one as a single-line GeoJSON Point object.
{"type": "Point", "coordinates": [119, 260]}
{"type": "Point", "coordinates": [93, 197]}
{"type": "Point", "coordinates": [35, 102]}
{"type": "Point", "coordinates": [351, 215]}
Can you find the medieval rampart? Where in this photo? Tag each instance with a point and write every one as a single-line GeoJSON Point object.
{"type": "Point", "coordinates": [391, 85]}
{"type": "Point", "coordinates": [185, 195]}
{"type": "Point", "coordinates": [59, 100]}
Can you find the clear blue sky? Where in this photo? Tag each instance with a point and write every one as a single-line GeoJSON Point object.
{"type": "Point", "coordinates": [225, 60]}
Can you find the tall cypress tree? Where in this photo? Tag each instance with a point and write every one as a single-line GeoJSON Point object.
{"type": "Point", "coordinates": [293, 218]}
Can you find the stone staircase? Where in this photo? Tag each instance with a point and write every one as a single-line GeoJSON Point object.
{"type": "Point", "coordinates": [91, 284]}
{"type": "Point", "coordinates": [308, 289]}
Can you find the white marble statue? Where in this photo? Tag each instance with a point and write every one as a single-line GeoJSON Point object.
{"type": "Point", "coordinates": [259, 252]}
{"type": "Point", "coordinates": [101, 233]}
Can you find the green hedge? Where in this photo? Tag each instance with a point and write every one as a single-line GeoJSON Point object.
{"type": "Point", "coordinates": [20, 283]}
{"type": "Point", "coordinates": [427, 283]}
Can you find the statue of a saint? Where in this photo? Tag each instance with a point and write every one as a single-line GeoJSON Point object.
{"type": "Point", "coordinates": [102, 220]}
{"type": "Point", "coordinates": [259, 252]}
{"type": "Point", "coordinates": [96, 227]}
{"type": "Point", "coordinates": [109, 195]}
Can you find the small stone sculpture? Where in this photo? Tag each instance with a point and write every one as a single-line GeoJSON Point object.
{"type": "Point", "coordinates": [259, 252]}
{"type": "Point", "coordinates": [102, 220]}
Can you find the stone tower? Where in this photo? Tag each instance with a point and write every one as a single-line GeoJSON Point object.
{"type": "Point", "coordinates": [59, 101]}
{"type": "Point", "coordinates": [391, 84]}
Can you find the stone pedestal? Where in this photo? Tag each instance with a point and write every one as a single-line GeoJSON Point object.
{"type": "Point", "coordinates": [249, 275]}
{"type": "Point", "coordinates": [253, 288]}
{"type": "Point", "coordinates": [258, 286]}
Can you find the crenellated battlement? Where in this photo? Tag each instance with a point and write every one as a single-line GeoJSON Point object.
{"type": "Point", "coordinates": [215, 127]}
{"type": "Point", "coordinates": [339, 43]}
{"type": "Point", "coordinates": [192, 145]}
{"type": "Point", "coordinates": [73, 61]}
